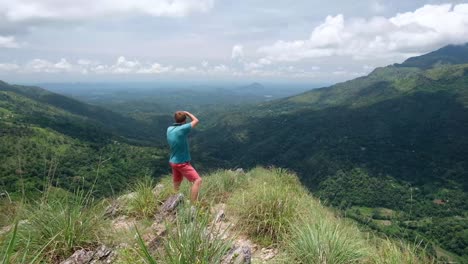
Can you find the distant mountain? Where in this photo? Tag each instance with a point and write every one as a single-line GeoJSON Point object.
{"type": "Point", "coordinates": [451, 54]}
{"type": "Point", "coordinates": [425, 107]}
{"type": "Point", "coordinates": [401, 131]}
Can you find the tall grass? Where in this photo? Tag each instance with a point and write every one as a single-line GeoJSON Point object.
{"type": "Point", "coordinates": [395, 252]}
{"type": "Point", "coordinates": [143, 203]}
{"type": "Point", "coordinates": [191, 239]}
{"type": "Point", "coordinates": [59, 225]}
{"type": "Point", "coordinates": [27, 255]}
{"type": "Point", "coordinates": [269, 201]}
{"type": "Point", "coordinates": [218, 186]}
{"type": "Point", "coordinates": [326, 241]}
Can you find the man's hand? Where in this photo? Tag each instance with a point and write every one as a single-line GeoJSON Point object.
{"type": "Point", "coordinates": [194, 119]}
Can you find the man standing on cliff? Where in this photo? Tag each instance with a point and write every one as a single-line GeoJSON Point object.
{"type": "Point", "coordinates": [180, 154]}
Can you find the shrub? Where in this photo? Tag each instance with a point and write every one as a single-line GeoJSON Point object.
{"type": "Point", "coordinates": [56, 227]}
{"type": "Point", "coordinates": [326, 241]}
{"type": "Point", "coordinates": [142, 203]}
{"type": "Point", "coordinates": [217, 186]}
{"type": "Point", "coordinates": [394, 252]}
{"type": "Point", "coordinates": [268, 203]}
{"type": "Point", "coordinates": [191, 239]}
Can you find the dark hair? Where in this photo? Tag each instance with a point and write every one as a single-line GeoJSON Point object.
{"type": "Point", "coordinates": [180, 117]}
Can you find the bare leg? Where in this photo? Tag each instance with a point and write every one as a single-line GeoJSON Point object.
{"type": "Point", "coordinates": [177, 186]}
{"type": "Point", "coordinates": [195, 189]}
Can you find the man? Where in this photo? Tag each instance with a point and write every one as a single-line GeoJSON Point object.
{"type": "Point", "coordinates": [180, 154]}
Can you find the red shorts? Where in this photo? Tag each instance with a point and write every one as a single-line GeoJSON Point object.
{"type": "Point", "coordinates": [186, 170]}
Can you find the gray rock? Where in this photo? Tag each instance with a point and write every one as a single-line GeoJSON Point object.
{"type": "Point", "coordinates": [220, 216]}
{"type": "Point", "coordinates": [238, 255]}
{"type": "Point", "coordinates": [268, 253]}
{"type": "Point", "coordinates": [101, 255]}
{"type": "Point", "coordinates": [239, 170]}
{"type": "Point", "coordinates": [79, 257]}
{"type": "Point", "coordinates": [171, 203]}
{"type": "Point", "coordinates": [113, 210]}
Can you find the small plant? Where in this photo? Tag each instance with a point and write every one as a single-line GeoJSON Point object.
{"type": "Point", "coordinates": [267, 204]}
{"type": "Point", "coordinates": [326, 241]}
{"type": "Point", "coordinates": [27, 255]}
{"type": "Point", "coordinates": [191, 239]}
{"type": "Point", "coordinates": [56, 227]}
{"type": "Point", "coordinates": [393, 252]}
{"type": "Point", "coordinates": [217, 186]}
{"type": "Point", "coordinates": [143, 203]}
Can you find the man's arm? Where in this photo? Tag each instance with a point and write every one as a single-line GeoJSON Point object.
{"type": "Point", "coordinates": [194, 119]}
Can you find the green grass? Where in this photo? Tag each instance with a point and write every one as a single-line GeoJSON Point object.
{"type": "Point", "coordinates": [218, 186]}
{"type": "Point", "coordinates": [394, 252]}
{"type": "Point", "coordinates": [190, 239]}
{"type": "Point", "coordinates": [143, 203]}
{"type": "Point", "coordinates": [266, 205]}
{"type": "Point", "coordinates": [269, 206]}
{"type": "Point", "coordinates": [57, 226]}
{"type": "Point", "coordinates": [326, 241]}
{"type": "Point", "coordinates": [193, 240]}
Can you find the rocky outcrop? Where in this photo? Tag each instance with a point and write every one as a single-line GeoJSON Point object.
{"type": "Point", "coordinates": [101, 255]}
{"type": "Point", "coordinates": [238, 255]}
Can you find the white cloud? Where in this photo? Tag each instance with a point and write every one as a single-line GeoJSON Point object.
{"type": "Point", "coordinates": [63, 65]}
{"type": "Point", "coordinates": [237, 52]}
{"type": "Point", "coordinates": [84, 62]}
{"type": "Point", "coordinates": [23, 10]}
{"type": "Point", "coordinates": [4, 67]}
{"type": "Point", "coordinates": [155, 68]}
{"type": "Point", "coordinates": [400, 36]}
{"type": "Point", "coordinates": [8, 42]}
{"type": "Point", "coordinates": [125, 66]}
{"type": "Point", "coordinates": [220, 68]}
{"type": "Point", "coordinates": [40, 65]}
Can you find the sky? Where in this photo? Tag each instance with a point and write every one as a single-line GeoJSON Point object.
{"type": "Point", "coordinates": [260, 40]}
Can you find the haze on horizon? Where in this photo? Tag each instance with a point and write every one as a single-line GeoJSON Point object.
{"type": "Point", "coordinates": [294, 41]}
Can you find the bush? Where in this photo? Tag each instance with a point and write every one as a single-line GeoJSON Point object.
{"type": "Point", "coordinates": [191, 239]}
{"type": "Point", "coordinates": [57, 226]}
{"type": "Point", "coordinates": [268, 203]}
{"type": "Point", "coordinates": [217, 187]}
{"type": "Point", "coordinates": [326, 241]}
{"type": "Point", "coordinates": [393, 252]}
{"type": "Point", "coordinates": [142, 202]}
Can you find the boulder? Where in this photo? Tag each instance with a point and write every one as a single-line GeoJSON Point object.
{"type": "Point", "coordinates": [238, 255]}
{"type": "Point", "coordinates": [101, 255]}
{"type": "Point", "coordinates": [171, 203]}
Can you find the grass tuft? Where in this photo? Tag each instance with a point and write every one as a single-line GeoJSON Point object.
{"type": "Point", "coordinates": [394, 252]}
{"type": "Point", "coordinates": [143, 203]}
{"type": "Point", "coordinates": [267, 204]}
{"type": "Point", "coordinates": [326, 241]}
{"type": "Point", "coordinates": [191, 239]}
{"type": "Point", "coordinates": [57, 226]}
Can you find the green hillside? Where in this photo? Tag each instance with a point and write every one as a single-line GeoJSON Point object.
{"type": "Point", "coordinates": [280, 222]}
{"type": "Point", "coordinates": [398, 138]}
{"type": "Point", "coordinates": [114, 123]}
{"type": "Point", "coordinates": [47, 138]}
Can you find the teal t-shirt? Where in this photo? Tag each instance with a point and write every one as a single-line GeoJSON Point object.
{"type": "Point", "coordinates": [177, 139]}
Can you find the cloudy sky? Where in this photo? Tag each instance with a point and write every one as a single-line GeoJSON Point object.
{"type": "Point", "coordinates": [295, 40]}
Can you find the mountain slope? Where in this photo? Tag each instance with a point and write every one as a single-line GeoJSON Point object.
{"type": "Point", "coordinates": [398, 138]}
{"type": "Point", "coordinates": [43, 143]}
{"type": "Point", "coordinates": [451, 54]}
{"type": "Point", "coordinates": [107, 120]}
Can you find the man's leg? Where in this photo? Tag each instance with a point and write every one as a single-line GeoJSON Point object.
{"type": "Point", "coordinates": [176, 177]}
{"type": "Point", "coordinates": [195, 190]}
{"type": "Point", "coordinates": [192, 175]}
